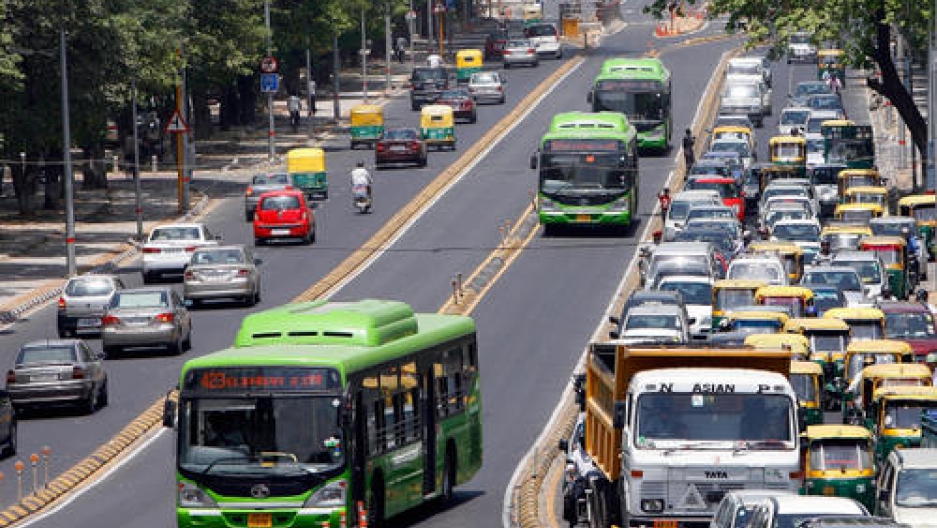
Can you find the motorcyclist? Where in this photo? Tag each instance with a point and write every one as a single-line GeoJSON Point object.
{"type": "Point", "coordinates": [361, 176]}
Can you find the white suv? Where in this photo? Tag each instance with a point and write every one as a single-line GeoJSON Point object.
{"type": "Point", "coordinates": [169, 248]}
{"type": "Point", "coordinates": [907, 487]}
{"type": "Point", "coordinates": [800, 49]}
{"type": "Point", "coordinates": [545, 39]}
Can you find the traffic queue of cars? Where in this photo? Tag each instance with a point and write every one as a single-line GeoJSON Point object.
{"type": "Point", "coordinates": [816, 256]}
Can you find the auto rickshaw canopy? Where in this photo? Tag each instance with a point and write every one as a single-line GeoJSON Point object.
{"type": "Point", "coordinates": [797, 344]}
{"type": "Point", "coordinates": [867, 194]}
{"type": "Point", "coordinates": [783, 291]}
{"type": "Point", "coordinates": [757, 315]}
{"type": "Point", "coordinates": [469, 58]}
{"type": "Point", "coordinates": [787, 149]}
{"type": "Point", "coordinates": [367, 115]}
{"type": "Point", "coordinates": [886, 246]}
{"type": "Point", "coordinates": [806, 368]}
{"type": "Point", "coordinates": [802, 325]}
{"type": "Point", "coordinates": [882, 346]}
{"type": "Point", "coordinates": [906, 393]}
{"type": "Point", "coordinates": [917, 200]}
{"type": "Point", "coordinates": [435, 116]}
{"type": "Point", "coordinates": [856, 313]}
{"type": "Point", "coordinates": [857, 212]}
{"type": "Point", "coordinates": [830, 431]}
{"type": "Point", "coordinates": [310, 159]}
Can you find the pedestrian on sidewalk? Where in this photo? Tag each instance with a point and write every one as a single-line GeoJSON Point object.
{"type": "Point", "coordinates": [294, 105]}
{"type": "Point", "coordinates": [401, 49]}
{"type": "Point", "coordinates": [664, 199]}
{"type": "Point", "coordinates": [688, 144]}
{"type": "Point", "coordinates": [312, 98]}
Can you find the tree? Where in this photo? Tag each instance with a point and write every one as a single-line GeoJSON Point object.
{"type": "Point", "coordinates": [863, 28]}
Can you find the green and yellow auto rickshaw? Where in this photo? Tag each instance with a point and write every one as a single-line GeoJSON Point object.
{"type": "Point", "coordinates": [864, 322]}
{"type": "Point", "coordinates": [797, 299]}
{"type": "Point", "coordinates": [467, 62]}
{"type": "Point", "coordinates": [437, 124]}
{"type": "Point", "coordinates": [897, 414]}
{"type": "Point", "coordinates": [923, 208]}
{"type": "Point", "coordinates": [367, 125]}
{"type": "Point", "coordinates": [807, 380]}
{"type": "Point", "coordinates": [798, 345]}
{"type": "Point", "coordinates": [860, 354]}
{"type": "Point", "coordinates": [857, 213]}
{"type": "Point", "coordinates": [533, 14]}
{"type": "Point", "coordinates": [858, 398]}
{"type": "Point", "coordinates": [306, 167]}
{"type": "Point", "coordinates": [893, 251]}
{"type": "Point", "coordinates": [839, 462]}
{"type": "Point", "coordinates": [831, 60]}
{"type": "Point", "coordinates": [847, 178]}
{"type": "Point", "coordinates": [728, 293]}
{"type": "Point", "coordinates": [789, 151]}
{"type": "Point", "coordinates": [828, 340]}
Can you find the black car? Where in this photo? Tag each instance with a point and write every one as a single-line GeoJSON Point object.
{"type": "Point", "coordinates": [426, 84]}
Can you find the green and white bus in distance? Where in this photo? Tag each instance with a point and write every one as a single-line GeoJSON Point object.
{"type": "Point", "coordinates": [640, 89]}
{"type": "Point", "coordinates": [324, 406]}
{"type": "Point", "coordinates": [587, 177]}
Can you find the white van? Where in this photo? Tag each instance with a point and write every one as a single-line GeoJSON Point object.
{"type": "Point", "coordinates": [907, 487]}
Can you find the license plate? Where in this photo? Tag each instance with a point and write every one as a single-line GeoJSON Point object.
{"type": "Point", "coordinates": [666, 524]}
{"type": "Point", "coordinates": [43, 377]}
{"type": "Point", "coordinates": [172, 250]}
{"type": "Point", "coordinates": [583, 218]}
{"type": "Point", "coordinates": [279, 232]}
{"type": "Point", "coordinates": [88, 323]}
{"type": "Point", "coordinates": [398, 148]}
{"type": "Point", "coordinates": [259, 520]}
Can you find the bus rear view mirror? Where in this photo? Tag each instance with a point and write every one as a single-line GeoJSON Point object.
{"type": "Point", "coordinates": [589, 97]}
{"type": "Point", "coordinates": [533, 161]}
{"type": "Point", "coordinates": [169, 412]}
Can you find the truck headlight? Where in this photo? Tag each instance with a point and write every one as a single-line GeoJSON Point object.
{"type": "Point", "coordinates": [775, 475]}
{"type": "Point", "coordinates": [332, 495]}
{"type": "Point", "coordinates": [547, 205]}
{"type": "Point", "coordinates": [652, 505]}
{"type": "Point", "coordinates": [192, 496]}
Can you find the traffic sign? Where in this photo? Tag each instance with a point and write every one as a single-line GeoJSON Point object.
{"type": "Point", "coordinates": [176, 124]}
{"type": "Point", "coordinates": [269, 64]}
{"type": "Point", "coordinates": [269, 82]}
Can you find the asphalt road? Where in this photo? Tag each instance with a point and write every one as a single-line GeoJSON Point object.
{"type": "Point", "coordinates": [532, 326]}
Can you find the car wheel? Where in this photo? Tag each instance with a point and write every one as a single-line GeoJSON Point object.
{"type": "Point", "coordinates": [10, 448]}
{"type": "Point", "coordinates": [559, 54]}
{"type": "Point", "coordinates": [312, 236]}
{"type": "Point", "coordinates": [176, 348]}
{"type": "Point", "coordinates": [307, 239]}
{"type": "Point", "coordinates": [111, 351]}
{"type": "Point", "coordinates": [187, 344]}
{"type": "Point", "coordinates": [63, 332]}
{"type": "Point", "coordinates": [503, 100]}
{"type": "Point", "coordinates": [103, 399]}
{"type": "Point", "coordinates": [422, 162]}
{"type": "Point", "coordinates": [474, 118]}
{"type": "Point", "coordinates": [147, 278]}
{"type": "Point", "coordinates": [91, 403]}
{"type": "Point", "coordinates": [258, 241]}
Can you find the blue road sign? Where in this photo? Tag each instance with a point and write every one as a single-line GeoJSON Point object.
{"type": "Point", "coordinates": [269, 82]}
{"type": "Point", "coordinates": [452, 4]}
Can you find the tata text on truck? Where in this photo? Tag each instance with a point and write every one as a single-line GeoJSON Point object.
{"type": "Point", "coordinates": [673, 429]}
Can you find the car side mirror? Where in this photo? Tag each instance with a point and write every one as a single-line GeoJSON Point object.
{"type": "Point", "coordinates": [169, 412]}
{"type": "Point", "coordinates": [613, 334]}
{"type": "Point", "coordinates": [533, 161]}
{"type": "Point", "coordinates": [614, 320]}
{"type": "Point", "coordinates": [589, 97]}
{"type": "Point", "coordinates": [563, 445]}
{"type": "Point", "coordinates": [219, 238]}
{"type": "Point", "coordinates": [884, 495]}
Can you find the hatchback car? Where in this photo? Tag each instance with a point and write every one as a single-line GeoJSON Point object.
{"type": "Point", "coordinates": [261, 183]}
{"type": "Point", "coordinates": [284, 215]}
{"type": "Point", "coordinates": [169, 247]}
{"type": "Point", "coordinates": [224, 272]}
{"type": "Point", "coordinates": [645, 297]}
{"type": "Point", "coordinates": [57, 372]}
{"type": "Point", "coordinates": [520, 51]}
{"type": "Point", "coordinates": [83, 301]}
{"type": "Point", "coordinates": [146, 317]}
{"type": "Point", "coordinates": [487, 87]}
{"type": "Point", "coordinates": [400, 145]}
{"type": "Point", "coordinates": [462, 103]}
{"type": "Point", "coordinates": [805, 89]}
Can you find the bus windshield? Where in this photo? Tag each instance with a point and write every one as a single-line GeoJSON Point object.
{"type": "Point", "coordinates": [576, 172]}
{"type": "Point", "coordinates": [266, 435]}
{"type": "Point", "coordinates": [637, 106]}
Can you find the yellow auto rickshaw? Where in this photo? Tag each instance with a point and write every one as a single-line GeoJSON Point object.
{"type": "Point", "coordinates": [797, 299]}
{"type": "Point", "coordinates": [831, 60]}
{"type": "Point", "coordinates": [857, 213]}
{"type": "Point", "coordinates": [790, 254]}
{"type": "Point", "coordinates": [774, 172]}
{"type": "Point", "coordinates": [847, 178]}
{"type": "Point", "coordinates": [828, 340]}
{"type": "Point", "coordinates": [857, 400]}
{"type": "Point", "coordinates": [437, 124]}
{"type": "Point", "coordinates": [923, 208]}
{"type": "Point", "coordinates": [467, 62]}
{"type": "Point", "coordinates": [860, 354]}
{"type": "Point", "coordinates": [864, 323]}
{"type": "Point", "coordinates": [843, 236]}
{"type": "Point", "coordinates": [729, 293]}
{"type": "Point", "coordinates": [839, 462]}
{"type": "Point", "coordinates": [798, 345]}
{"type": "Point", "coordinates": [896, 417]}
{"type": "Point", "coordinates": [893, 252]}
{"type": "Point", "coordinates": [734, 132]}
{"type": "Point", "coordinates": [755, 321]}
{"type": "Point", "coordinates": [367, 125]}
{"type": "Point", "coordinates": [807, 381]}
{"type": "Point", "coordinates": [789, 151]}
{"type": "Point", "coordinates": [306, 167]}
{"type": "Point", "coordinates": [864, 194]}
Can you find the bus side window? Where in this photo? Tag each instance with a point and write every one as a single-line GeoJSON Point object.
{"type": "Point", "coordinates": [442, 390]}
{"type": "Point", "coordinates": [372, 405]}
{"type": "Point", "coordinates": [453, 367]}
{"type": "Point", "coordinates": [390, 383]}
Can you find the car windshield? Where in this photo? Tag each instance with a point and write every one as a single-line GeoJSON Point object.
{"type": "Point", "coordinates": [89, 287]}
{"type": "Point", "coordinates": [699, 293]}
{"type": "Point", "coordinates": [825, 102]}
{"type": "Point", "coordinates": [754, 271]}
{"type": "Point", "coordinates": [709, 212]}
{"type": "Point", "coordinates": [802, 232]}
{"type": "Point", "coordinates": [244, 436]}
{"type": "Point", "coordinates": [218, 256]}
{"type": "Point", "coordinates": [824, 299]}
{"type": "Point", "coordinates": [844, 280]}
{"type": "Point", "coordinates": [454, 94]}
{"type": "Point", "coordinates": [775, 216]}
{"type": "Point", "coordinates": [741, 147]}
{"type": "Point", "coordinates": [730, 297]}
{"type": "Point", "coordinates": [401, 133]}
{"type": "Point", "coordinates": [544, 30]}
{"type": "Point", "coordinates": [760, 420]}
{"type": "Point", "coordinates": [485, 78]}
{"type": "Point", "coordinates": [427, 74]}
{"type": "Point", "coordinates": [46, 354]}
{"type": "Point", "coordinates": [278, 178]}
{"type": "Point", "coordinates": [913, 325]}
{"type": "Point", "coordinates": [280, 203]}
{"type": "Point", "coordinates": [869, 271]}
{"type": "Point", "coordinates": [664, 321]}
{"type": "Point", "coordinates": [741, 91]}
{"type": "Point", "coordinates": [916, 488]}
{"type": "Point", "coordinates": [725, 189]}
{"type": "Point", "coordinates": [518, 44]}
{"type": "Point", "coordinates": [679, 209]}
{"type": "Point", "coordinates": [813, 124]}
{"type": "Point", "coordinates": [743, 68]}
{"type": "Point", "coordinates": [815, 145]}
{"type": "Point", "coordinates": [805, 385]}
{"type": "Point", "coordinates": [144, 299]}
{"type": "Point", "coordinates": [794, 117]}
{"type": "Point", "coordinates": [175, 233]}
{"type": "Point", "coordinates": [708, 169]}
{"type": "Point", "coordinates": [810, 88]}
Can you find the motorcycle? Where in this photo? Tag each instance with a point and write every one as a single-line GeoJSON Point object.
{"type": "Point", "coordinates": [361, 198]}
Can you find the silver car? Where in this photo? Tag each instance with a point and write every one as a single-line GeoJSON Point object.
{"type": "Point", "coordinates": [169, 247]}
{"type": "Point", "coordinates": [261, 183]}
{"type": "Point", "coordinates": [58, 371]}
{"type": "Point", "coordinates": [487, 86]}
{"type": "Point", "coordinates": [146, 317]}
{"type": "Point", "coordinates": [520, 51]}
{"type": "Point", "coordinates": [223, 272]}
{"type": "Point", "coordinates": [83, 301]}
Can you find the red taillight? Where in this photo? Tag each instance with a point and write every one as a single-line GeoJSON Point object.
{"type": "Point", "coordinates": [165, 317]}
{"type": "Point", "coordinates": [466, 104]}
{"type": "Point", "coordinates": [11, 377]}
{"type": "Point", "coordinates": [61, 303]}
{"type": "Point", "coordinates": [189, 275]}
{"type": "Point", "coordinates": [530, 50]}
{"type": "Point", "coordinates": [380, 147]}
{"type": "Point", "coordinates": [151, 250]}
{"type": "Point", "coordinates": [110, 320]}
{"type": "Point", "coordinates": [78, 373]}
{"type": "Point", "coordinates": [243, 272]}
{"type": "Point", "coordinates": [414, 145]}
{"type": "Point", "coordinates": [500, 88]}
{"type": "Point", "coordinates": [250, 191]}
{"type": "Point", "coordinates": [506, 52]}
{"type": "Point", "coordinates": [190, 249]}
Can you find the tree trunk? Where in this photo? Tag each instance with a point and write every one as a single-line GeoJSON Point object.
{"type": "Point", "coordinates": [94, 168]}
{"type": "Point", "coordinates": [248, 99]}
{"type": "Point", "coordinates": [52, 184]}
{"type": "Point", "coordinates": [201, 115]}
{"type": "Point", "coordinates": [23, 190]}
{"type": "Point", "coordinates": [229, 111]}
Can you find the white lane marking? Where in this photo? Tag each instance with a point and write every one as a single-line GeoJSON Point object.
{"type": "Point", "coordinates": [580, 365]}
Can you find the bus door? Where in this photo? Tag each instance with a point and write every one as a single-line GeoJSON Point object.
{"type": "Point", "coordinates": [359, 449]}
{"type": "Point", "coordinates": [428, 390]}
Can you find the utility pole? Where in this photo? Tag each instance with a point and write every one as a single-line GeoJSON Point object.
{"type": "Point", "coordinates": [271, 130]}
{"type": "Point", "coordinates": [336, 68]}
{"type": "Point", "coordinates": [364, 59]}
{"type": "Point", "coordinates": [387, 47]}
{"type": "Point", "coordinates": [136, 160]}
{"type": "Point", "coordinates": [71, 265]}
{"type": "Point", "coordinates": [310, 91]}
{"type": "Point", "coordinates": [180, 143]}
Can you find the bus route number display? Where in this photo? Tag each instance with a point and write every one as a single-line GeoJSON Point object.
{"type": "Point", "coordinates": [630, 85]}
{"type": "Point", "coordinates": [582, 145]}
{"type": "Point", "coordinates": [266, 379]}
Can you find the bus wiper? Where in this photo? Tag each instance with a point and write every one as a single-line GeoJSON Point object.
{"type": "Point", "coordinates": [238, 459]}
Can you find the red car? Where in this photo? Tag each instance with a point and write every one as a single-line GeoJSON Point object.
{"type": "Point", "coordinates": [462, 103]}
{"type": "Point", "coordinates": [282, 215]}
{"type": "Point", "coordinates": [494, 43]}
{"type": "Point", "coordinates": [913, 323]}
{"type": "Point", "coordinates": [727, 188]}
{"type": "Point", "coordinates": [400, 145]}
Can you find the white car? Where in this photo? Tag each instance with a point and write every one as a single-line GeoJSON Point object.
{"type": "Point", "coordinates": [906, 487]}
{"type": "Point", "coordinates": [545, 38]}
{"type": "Point", "coordinates": [169, 248]}
{"type": "Point", "coordinates": [815, 152]}
{"type": "Point", "coordinates": [805, 233]}
{"type": "Point", "coordinates": [680, 207]}
{"type": "Point", "coordinates": [800, 49]}
{"type": "Point", "coordinates": [789, 510]}
{"type": "Point", "coordinates": [740, 146]}
{"type": "Point", "coordinates": [697, 294]}
{"type": "Point", "coordinates": [793, 117]}
{"type": "Point", "coordinates": [661, 324]}
{"type": "Point", "coordinates": [762, 267]}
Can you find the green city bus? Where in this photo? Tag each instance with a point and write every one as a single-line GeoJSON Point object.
{"type": "Point", "coordinates": [640, 89]}
{"type": "Point", "coordinates": [566, 121]}
{"type": "Point", "coordinates": [846, 143]}
{"type": "Point", "coordinates": [587, 177]}
{"type": "Point", "coordinates": [323, 411]}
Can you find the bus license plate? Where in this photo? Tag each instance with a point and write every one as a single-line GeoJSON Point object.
{"type": "Point", "coordinates": [259, 520]}
{"type": "Point", "coordinates": [666, 524]}
{"type": "Point", "coordinates": [583, 217]}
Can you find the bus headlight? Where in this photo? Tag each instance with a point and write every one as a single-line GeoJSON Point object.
{"type": "Point", "coordinates": [192, 496]}
{"type": "Point", "coordinates": [619, 206]}
{"type": "Point", "coordinates": [332, 495]}
{"type": "Point", "coordinates": [547, 205]}
{"type": "Point", "coordinates": [652, 505]}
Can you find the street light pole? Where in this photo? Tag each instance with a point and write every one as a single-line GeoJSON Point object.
{"type": "Point", "coordinates": [387, 47]}
{"type": "Point", "coordinates": [70, 263]}
{"type": "Point", "coordinates": [364, 59]}
{"type": "Point", "coordinates": [336, 68]}
{"type": "Point", "coordinates": [271, 130]}
{"type": "Point", "coordinates": [136, 160]}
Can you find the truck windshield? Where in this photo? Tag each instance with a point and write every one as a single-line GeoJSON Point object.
{"type": "Point", "coordinates": [274, 436]}
{"type": "Point", "coordinates": [760, 420]}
